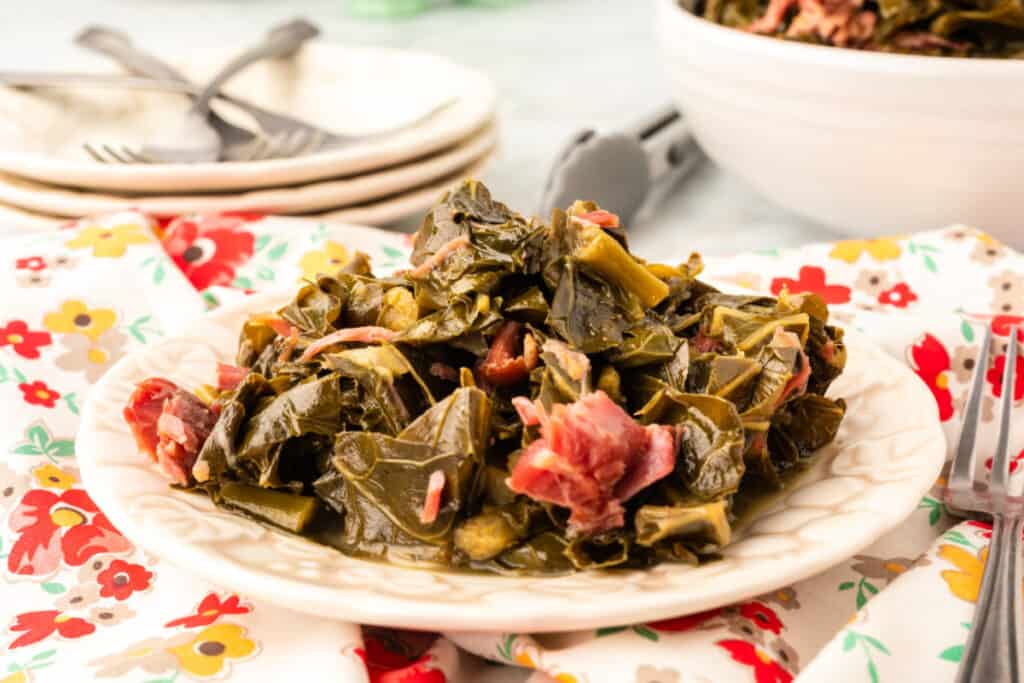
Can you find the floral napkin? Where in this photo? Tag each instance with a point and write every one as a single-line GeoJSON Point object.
{"type": "Point", "coordinates": [78, 601]}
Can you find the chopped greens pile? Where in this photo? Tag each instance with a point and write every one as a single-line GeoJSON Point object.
{"type": "Point", "coordinates": [956, 28]}
{"type": "Point", "coordinates": [528, 397]}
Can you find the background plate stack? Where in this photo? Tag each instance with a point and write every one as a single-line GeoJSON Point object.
{"type": "Point", "coordinates": [47, 177]}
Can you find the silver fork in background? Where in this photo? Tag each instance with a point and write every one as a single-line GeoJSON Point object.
{"type": "Point", "coordinates": [994, 646]}
{"type": "Point", "coordinates": [284, 145]}
{"type": "Point", "coordinates": [311, 138]}
{"type": "Point", "coordinates": [118, 46]}
{"type": "Point", "coordinates": [196, 140]}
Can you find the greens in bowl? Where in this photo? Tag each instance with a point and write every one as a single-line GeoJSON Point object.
{"type": "Point", "coordinates": [957, 28]}
{"type": "Point", "coordinates": [528, 397]}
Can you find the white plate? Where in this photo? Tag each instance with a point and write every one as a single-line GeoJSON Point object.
{"type": "Point", "coordinates": [313, 196]}
{"type": "Point", "coordinates": [377, 212]}
{"type": "Point", "coordinates": [888, 452]}
{"type": "Point", "coordinates": [346, 89]}
{"type": "Point", "coordinates": [13, 219]}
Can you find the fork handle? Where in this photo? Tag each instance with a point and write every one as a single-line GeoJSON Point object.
{"type": "Point", "coordinates": [993, 650]}
{"type": "Point", "coordinates": [119, 46]}
{"type": "Point", "coordinates": [280, 41]}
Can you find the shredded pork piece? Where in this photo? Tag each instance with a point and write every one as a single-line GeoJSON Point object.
{"type": "Point", "coordinates": [605, 219]}
{"type": "Point", "coordinates": [288, 348]}
{"type": "Point", "coordinates": [505, 364]}
{"type": "Point", "coordinates": [432, 502]}
{"type": "Point", "coordinates": [369, 334]}
{"type": "Point", "coordinates": [438, 257]}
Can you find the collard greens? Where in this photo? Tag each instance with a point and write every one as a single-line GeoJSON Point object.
{"type": "Point", "coordinates": [377, 414]}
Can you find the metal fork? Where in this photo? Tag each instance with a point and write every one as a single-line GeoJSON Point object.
{"type": "Point", "coordinates": [195, 140]}
{"type": "Point", "coordinates": [119, 46]}
{"type": "Point", "coordinates": [993, 650]}
{"type": "Point", "coordinates": [314, 138]}
{"type": "Point", "coordinates": [283, 145]}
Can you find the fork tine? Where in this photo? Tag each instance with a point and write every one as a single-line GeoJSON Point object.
{"type": "Point", "coordinates": [137, 157]}
{"type": "Point", "coordinates": [999, 483]}
{"type": "Point", "coordinates": [961, 475]}
{"type": "Point", "coordinates": [94, 153]}
{"type": "Point", "coordinates": [112, 153]}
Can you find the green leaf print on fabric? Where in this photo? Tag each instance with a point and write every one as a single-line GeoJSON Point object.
{"type": "Point", "coordinates": [868, 646]}
{"type": "Point", "coordinates": [957, 537]}
{"type": "Point", "coordinates": [261, 243]}
{"type": "Point", "coordinates": [11, 374]}
{"type": "Point", "coordinates": [925, 251]}
{"type": "Point", "coordinates": [277, 251]}
{"type": "Point", "coordinates": [39, 441]}
{"type": "Point", "coordinates": [639, 629]}
{"type": "Point", "coordinates": [967, 331]}
{"type": "Point", "coordinates": [242, 282]}
{"type": "Point", "coordinates": [159, 267]}
{"type": "Point", "coordinates": [141, 329]}
{"type": "Point", "coordinates": [505, 647]}
{"type": "Point", "coordinates": [53, 587]}
{"type": "Point", "coordinates": [935, 509]}
{"type": "Point", "coordinates": [865, 589]}
{"type": "Point", "coordinates": [956, 652]}
{"type": "Point", "coordinates": [71, 400]}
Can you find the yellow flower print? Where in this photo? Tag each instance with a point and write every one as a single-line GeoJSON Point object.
{"type": "Point", "coordinates": [564, 678]}
{"type": "Point", "coordinates": [328, 260]}
{"type": "Point", "coordinates": [53, 477]}
{"type": "Point", "coordinates": [966, 582]}
{"type": "Point", "coordinates": [881, 249]}
{"type": "Point", "coordinates": [206, 654]}
{"type": "Point", "coordinates": [108, 242]}
{"type": "Point", "coordinates": [75, 317]}
{"type": "Point", "coordinates": [16, 677]}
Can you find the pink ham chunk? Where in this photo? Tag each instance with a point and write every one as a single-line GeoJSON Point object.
{"type": "Point", "coordinates": [591, 457]}
{"type": "Point", "coordinates": [170, 425]}
{"type": "Point", "coordinates": [229, 376]}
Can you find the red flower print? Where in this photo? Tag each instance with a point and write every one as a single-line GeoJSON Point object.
{"type": "Point", "coordinates": [121, 579]}
{"type": "Point", "coordinates": [930, 360]}
{"type": "Point", "coordinates": [23, 341]}
{"type": "Point", "coordinates": [30, 263]}
{"type": "Point", "coordinates": [899, 295]}
{"type": "Point", "coordinates": [37, 626]}
{"type": "Point", "coordinates": [38, 394]}
{"type": "Point", "coordinates": [386, 666]}
{"type": "Point", "coordinates": [687, 623]}
{"type": "Point", "coordinates": [812, 279]}
{"type": "Point", "coordinates": [766, 669]}
{"type": "Point", "coordinates": [209, 610]}
{"type": "Point", "coordinates": [985, 527]}
{"type": "Point", "coordinates": [1015, 463]}
{"type": "Point", "coordinates": [995, 377]}
{"type": "Point", "coordinates": [53, 526]}
{"type": "Point", "coordinates": [208, 249]}
{"type": "Point", "coordinates": [763, 616]}
{"type": "Point", "coordinates": [1001, 325]}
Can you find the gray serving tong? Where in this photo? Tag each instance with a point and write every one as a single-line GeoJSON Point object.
{"type": "Point", "coordinates": [619, 170]}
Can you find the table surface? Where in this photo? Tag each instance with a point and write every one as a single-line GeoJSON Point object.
{"type": "Point", "coordinates": [545, 56]}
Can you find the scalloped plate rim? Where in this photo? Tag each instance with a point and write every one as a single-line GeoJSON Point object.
{"type": "Point", "coordinates": [519, 610]}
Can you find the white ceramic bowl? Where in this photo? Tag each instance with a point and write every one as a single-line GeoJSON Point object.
{"type": "Point", "coordinates": [867, 142]}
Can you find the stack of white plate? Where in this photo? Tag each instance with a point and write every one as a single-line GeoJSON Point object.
{"type": "Point", "coordinates": [47, 177]}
